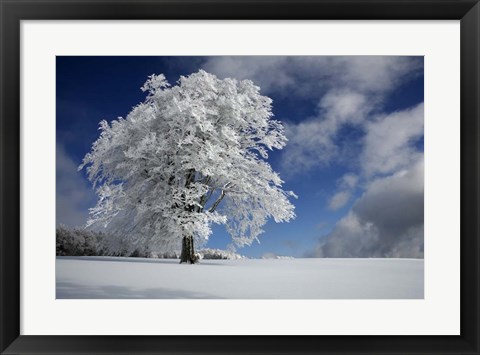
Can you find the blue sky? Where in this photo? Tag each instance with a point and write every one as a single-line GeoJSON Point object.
{"type": "Point", "coordinates": [354, 156]}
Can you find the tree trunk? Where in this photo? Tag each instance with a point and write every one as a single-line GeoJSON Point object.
{"type": "Point", "coordinates": [188, 253]}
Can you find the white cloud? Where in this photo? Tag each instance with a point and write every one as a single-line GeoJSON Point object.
{"type": "Point", "coordinates": [387, 221]}
{"type": "Point", "coordinates": [347, 184]}
{"type": "Point", "coordinates": [73, 195]}
{"type": "Point", "coordinates": [311, 143]}
{"type": "Point", "coordinates": [339, 200]}
{"type": "Point", "coordinates": [348, 89]}
{"type": "Point", "coordinates": [389, 141]}
{"type": "Point", "coordinates": [308, 146]}
{"type": "Point", "coordinates": [349, 181]}
{"type": "Point", "coordinates": [377, 74]}
{"type": "Point", "coordinates": [271, 73]}
{"type": "Point", "coordinates": [343, 106]}
{"type": "Point", "coordinates": [306, 75]}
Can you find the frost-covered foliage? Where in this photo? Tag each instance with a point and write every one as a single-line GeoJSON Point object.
{"type": "Point", "coordinates": [275, 256]}
{"type": "Point", "coordinates": [77, 242]}
{"type": "Point", "coordinates": [162, 172]}
{"type": "Point", "coordinates": [219, 254]}
{"type": "Point", "coordinates": [205, 253]}
{"type": "Point", "coordinates": [83, 242]}
{"type": "Point", "coordinates": [174, 254]}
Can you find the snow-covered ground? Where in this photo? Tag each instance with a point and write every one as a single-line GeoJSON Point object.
{"type": "Point", "coordinates": [113, 277]}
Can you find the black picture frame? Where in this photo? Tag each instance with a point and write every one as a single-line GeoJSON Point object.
{"type": "Point", "coordinates": [13, 11]}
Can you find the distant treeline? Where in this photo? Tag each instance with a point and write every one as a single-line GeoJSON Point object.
{"type": "Point", "coordinates": [83, 242]}
{"type": "Point", "coordinates": [78, 242]}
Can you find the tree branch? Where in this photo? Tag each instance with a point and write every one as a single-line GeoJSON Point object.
{"type": "Point", "coordinates": [204, 199]}
{"type": "Point", "coordinates": [216, 203]}
{"type": "Point", "coordinates": [190, 177]}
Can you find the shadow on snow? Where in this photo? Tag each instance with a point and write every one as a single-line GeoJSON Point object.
{"type": "Point", "coordinates": [68, 290]}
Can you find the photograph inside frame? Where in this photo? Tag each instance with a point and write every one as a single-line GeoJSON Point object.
{"type": "Point", "coordinates": [239, 177]}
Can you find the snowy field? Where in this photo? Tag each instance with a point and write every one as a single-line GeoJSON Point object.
{"type": "Point", "coordinates": [114, 277]}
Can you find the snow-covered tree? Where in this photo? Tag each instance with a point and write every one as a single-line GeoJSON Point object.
{"type": "Point", "coordinates": [188, 156]}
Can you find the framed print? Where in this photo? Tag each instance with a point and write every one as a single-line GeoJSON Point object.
{"type": "Point", "coordinates": [238, 177]}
